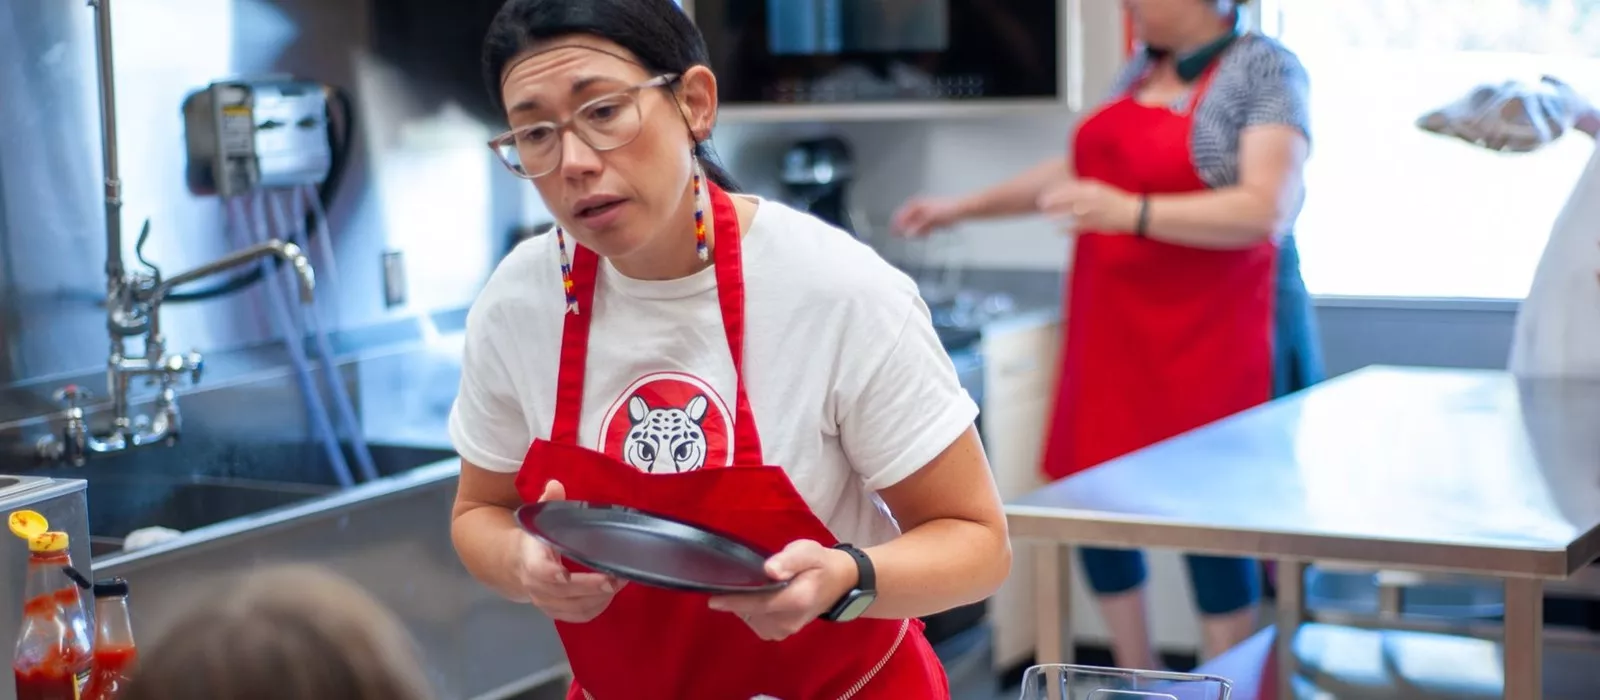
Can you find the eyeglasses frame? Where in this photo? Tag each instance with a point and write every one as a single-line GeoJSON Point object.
{"type": "Point", "coordinates": [561, 127]}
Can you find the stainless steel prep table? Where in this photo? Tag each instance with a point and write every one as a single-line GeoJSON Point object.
{"type": "Point", "coordinates": [1470, 472]}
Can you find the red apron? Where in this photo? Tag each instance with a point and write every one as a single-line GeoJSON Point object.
{"type": "Point", "coordinates": [653, 643]}
{"type": "Point", "coordinates": [1160, 338]}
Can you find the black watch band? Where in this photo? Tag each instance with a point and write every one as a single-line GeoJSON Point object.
{"type": "Point", "coordinates": [867, 575]}
{"type": "Point", "coordinates": [860, 597]}
{"type": "Point", "coordinates": [1142, 227]}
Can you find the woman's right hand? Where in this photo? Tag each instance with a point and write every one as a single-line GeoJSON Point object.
{"type": "Point", "coordinates": [924, 215]}
{"type": "Point", "coordinates": [561, 594]}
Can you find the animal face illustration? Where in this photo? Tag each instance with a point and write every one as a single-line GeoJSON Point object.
{"type": "Point", "coordinates": [667, 440]}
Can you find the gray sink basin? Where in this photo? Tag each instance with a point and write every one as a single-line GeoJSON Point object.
{"type": "Point", "coordinates": [122, 503]}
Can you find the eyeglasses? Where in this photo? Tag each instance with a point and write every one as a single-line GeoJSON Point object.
{"type": "Point", "coordinates": [604, 123]}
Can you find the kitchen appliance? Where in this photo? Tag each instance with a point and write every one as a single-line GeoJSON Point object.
{"type": "Point", "coordinates": [837, 51]}
{"type": "Point", "coordinates": [64, 503]}
{"type": "Point", "coordinates": [817, 174]}
{"type": "Point", "coordinates": [250, 134]}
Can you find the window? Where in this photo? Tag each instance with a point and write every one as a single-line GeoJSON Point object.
{"type": "Point", "coordinates": [1393, 211]}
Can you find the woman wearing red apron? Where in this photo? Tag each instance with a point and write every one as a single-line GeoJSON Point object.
{"type": "Point", "coordinates": [715, 358]}
{"type": "Point", "coordinates": [1185, 302]}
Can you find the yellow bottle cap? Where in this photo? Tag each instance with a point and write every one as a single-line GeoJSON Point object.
{"type": "Point", "coordinates": [27, 524]}
{"type": "Point", "coordinates": [48, 542]}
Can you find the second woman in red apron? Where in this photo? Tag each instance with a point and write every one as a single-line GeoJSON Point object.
{"type": "Point", "coordinates": [1184, 298]}
{"type": "Point", "coordinates": [667, 346]}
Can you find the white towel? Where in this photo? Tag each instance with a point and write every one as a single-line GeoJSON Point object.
{"type": "Point", "coordinates": [1512, 116]}
{"type": "Point", "coordinates": [149, 537]}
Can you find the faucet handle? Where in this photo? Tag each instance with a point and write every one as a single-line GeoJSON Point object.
{"type": "Point", "coordinates": [71, 395]}
{"type": "Point", "coordinates": [192, 363]}
{"type": "Point", "coordinates": [138, 252]}
{"type": "Point", "coordinates": [196, 363]}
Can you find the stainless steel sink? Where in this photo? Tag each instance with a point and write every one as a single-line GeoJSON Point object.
{"type": "Point", "coordinates": [120, 504]}
{"type": "Point", "coordinates": [188, 506]}
{"type": "Point", "coordinates": [391, 536]}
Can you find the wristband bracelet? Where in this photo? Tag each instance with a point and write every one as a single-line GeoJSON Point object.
{"type": "Point", "coordinates": [1144, 217]}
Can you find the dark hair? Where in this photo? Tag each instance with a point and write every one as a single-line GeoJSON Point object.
{"type": "Point", "coordinates": [291, 633]}
{"type": "Point", "coordinates": [656, 31]}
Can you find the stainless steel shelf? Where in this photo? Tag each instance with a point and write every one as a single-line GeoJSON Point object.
{"type": "Point", "coordinates": [886, 111]}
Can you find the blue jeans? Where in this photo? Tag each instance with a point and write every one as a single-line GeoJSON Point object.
{"type": "Point", "coordinates": [1226, 584]}
{"type": "Point", "coordinates": [1221, 584]}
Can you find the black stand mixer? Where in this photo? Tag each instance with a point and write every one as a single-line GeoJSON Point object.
{"type": "Point", "coordinates": [817, 173]}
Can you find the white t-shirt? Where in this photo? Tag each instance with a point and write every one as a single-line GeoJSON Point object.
{"type": "Point", "coordinates": [851, 389]}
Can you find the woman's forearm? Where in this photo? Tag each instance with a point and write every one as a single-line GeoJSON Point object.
{"type": "Point", "coordinates": [1226, 218]}
{"type": "Point", "coordinates": [486, 538]}
{"type": "Point", "coordinates": [1017, 196]}
{"type": "Point", "coordinates": [937, 566]}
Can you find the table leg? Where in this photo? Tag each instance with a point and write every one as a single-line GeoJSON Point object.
{"type": "Point", "coordinates": [1291, 613]}
{"type": "Point", "coordinates": [1052, 592]}
{"type": "Point", "coordinates": [1389, 600]}
{"type": "Point", "coordinates": [1524, 638]}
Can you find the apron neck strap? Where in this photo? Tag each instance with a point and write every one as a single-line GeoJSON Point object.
{"type": "Point", "coordinates": [728, 259]}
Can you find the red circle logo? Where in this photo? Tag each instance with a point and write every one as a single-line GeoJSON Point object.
{"type": "Point", "coordinates": [668, 423]}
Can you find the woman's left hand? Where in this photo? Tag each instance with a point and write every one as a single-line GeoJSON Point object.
{"type": "Point", "coordinates": [1090, 205]}
{"type": "Point", "coordinates": [818, 577]}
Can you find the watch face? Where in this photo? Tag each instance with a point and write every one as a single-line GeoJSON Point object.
{"type": "Point", "coordinates": [857, 604]}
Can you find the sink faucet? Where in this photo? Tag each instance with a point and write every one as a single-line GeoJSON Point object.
{"type": "Point", "coordinates": [133, 308]}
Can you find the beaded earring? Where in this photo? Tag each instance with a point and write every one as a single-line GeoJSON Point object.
{"type": "Point", "coordinates": [699, 216]}
{"type": "Point", "coordinates": [566, 272]}
{"type": "Point", "coordinates": [699, 241]}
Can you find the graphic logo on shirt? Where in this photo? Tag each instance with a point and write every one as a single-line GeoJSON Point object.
{"type": "Point", "coordinates": [668, 423]}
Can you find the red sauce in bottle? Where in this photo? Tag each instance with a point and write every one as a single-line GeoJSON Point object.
{"type": "Point", "coordinates": [47, 683]}
{"type": "Point", "coordinates": [112, 669]}
{"type": "Point", "coordinates": [60, 672]}
{"type": "Point", "coordinates": [55, 645]}
{"type": "Point", "coordinates": [115, 652]}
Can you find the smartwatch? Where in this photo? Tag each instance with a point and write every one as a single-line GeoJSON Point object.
{"type": "Point", "coordinates": [856, 600]}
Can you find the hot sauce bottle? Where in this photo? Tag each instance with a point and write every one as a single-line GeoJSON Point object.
{"type": "Point", "coordinates": [54, 648]}
{"type": "Point", "coordinates": [114, 650]}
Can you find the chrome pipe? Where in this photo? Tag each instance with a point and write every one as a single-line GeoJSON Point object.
{"type": "Point", "coordinates": [108, 140]}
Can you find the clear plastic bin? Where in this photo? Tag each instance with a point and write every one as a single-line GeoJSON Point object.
{"type": "Point", "coordinates": [1068, 682]}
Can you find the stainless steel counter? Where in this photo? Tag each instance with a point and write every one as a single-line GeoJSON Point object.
{"type": "Point", "coordinates": [1425, 469]}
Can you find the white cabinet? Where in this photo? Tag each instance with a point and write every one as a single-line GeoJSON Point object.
{"type": "Point", "coordinates": [1020, 365]}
